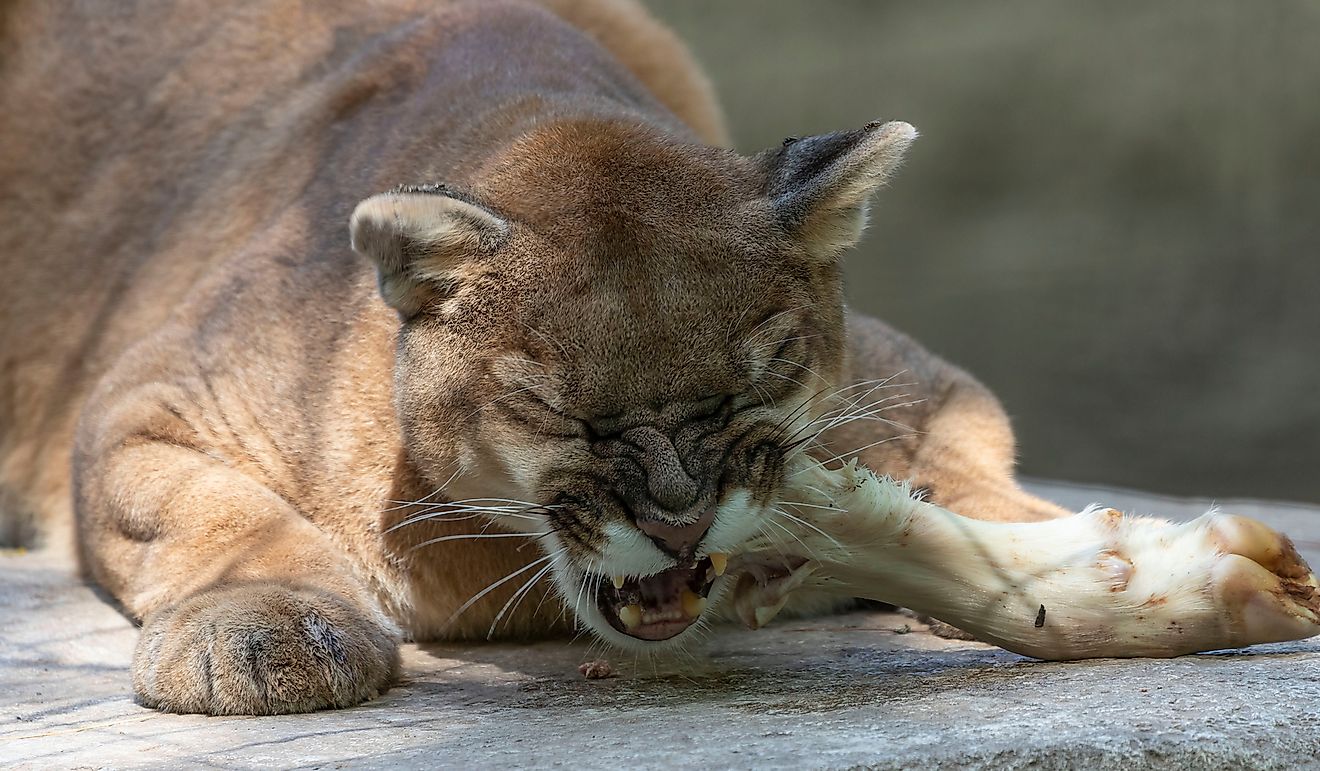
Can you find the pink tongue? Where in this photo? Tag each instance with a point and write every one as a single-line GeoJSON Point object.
{"type": "Point", "coordinates": [663, 588]}
{"type": "Point", "coordinates": [663, 615]}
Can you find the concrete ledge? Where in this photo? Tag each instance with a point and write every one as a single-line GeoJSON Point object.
{"type": "Point", "coordinates": [867, 689]}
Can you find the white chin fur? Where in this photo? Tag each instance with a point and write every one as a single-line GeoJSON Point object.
{"type": "Point", "coordinates": [736, 521]}
{"type": "Point", "coordinates": [628, 552]}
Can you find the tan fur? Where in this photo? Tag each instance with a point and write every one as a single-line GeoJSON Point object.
{"type": "Point", "coordinates": [195, 363]}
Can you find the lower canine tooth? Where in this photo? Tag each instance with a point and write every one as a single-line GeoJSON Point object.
{"type": "Point", "coordinates": [693, 603]}
{"type": "Point", "coordinates": [630, 615]}
{"type": "Point", "coordinates": [719, 561]}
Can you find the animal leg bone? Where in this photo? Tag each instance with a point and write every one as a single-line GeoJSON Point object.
{"type": "Point", "coordinates": [1097, 584]}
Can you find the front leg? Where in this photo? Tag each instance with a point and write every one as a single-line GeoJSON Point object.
{"type": "Point", "coordinates": [246, 607]}
{"type": "Point", "coordinates": [1096, 584]}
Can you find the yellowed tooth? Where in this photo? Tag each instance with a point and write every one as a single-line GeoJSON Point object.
{"type": "Point", "coordinates": [720, 561]}
{"type": "Point", "coordinates": [693, 603]}
{"type": "Point", "coordinates": [630, 615]}
{"type": "Point", "coordinates": [618, 582]}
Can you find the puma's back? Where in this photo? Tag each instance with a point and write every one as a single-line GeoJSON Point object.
{"type": "Point", "coordinates": [143, 144]}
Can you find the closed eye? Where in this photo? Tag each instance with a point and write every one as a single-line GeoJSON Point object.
{"type": "Point", "coordinates": [540, 416]}
{"type": "Point", "coordinates": [792, 345]}
{"type": "Point", "coordinates": [775, 376]}
{"type": "Point", "coordinates": [710, 406]}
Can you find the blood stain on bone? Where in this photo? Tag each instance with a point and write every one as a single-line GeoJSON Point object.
{"type": "Point", "coordinates": [1117, 566]}
{"type": "Point", "coordinates": [1306, 595]}
{"type": "Point", "coordinates": [903, 536]}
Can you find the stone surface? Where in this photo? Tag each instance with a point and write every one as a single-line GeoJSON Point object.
{"type": "Point", "coordinates": [866, 689]}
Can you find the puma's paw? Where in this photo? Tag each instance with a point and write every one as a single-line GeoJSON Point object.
{"type": "Point", "coordinates": [261, 649]}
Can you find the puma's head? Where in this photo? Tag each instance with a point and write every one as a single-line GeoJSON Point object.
{"type": "Point", "coordinates": [630, 332]}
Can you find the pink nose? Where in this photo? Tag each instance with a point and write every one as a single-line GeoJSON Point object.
{"type": "Point", "coordinates": [679, 539]}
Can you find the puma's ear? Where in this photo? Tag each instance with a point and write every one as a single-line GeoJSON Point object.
{"type": "Point", "coordinates": [819, 186]}
{"type": "Point", "coordinates": [418, 237]}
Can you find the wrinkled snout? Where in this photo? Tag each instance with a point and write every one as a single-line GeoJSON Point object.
{"type": "Point", "coordinates": [670, 503]}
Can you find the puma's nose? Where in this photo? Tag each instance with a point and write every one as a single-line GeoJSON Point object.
{"type": "Point", "coordinates": [667, 517]}
{"type": "Point", "coordinates": [667, 482]}
{"type": "Point", "coordinates": [677, 540]}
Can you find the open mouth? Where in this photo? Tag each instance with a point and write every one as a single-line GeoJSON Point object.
{"type": "Point", "coordinates": [659, 606]}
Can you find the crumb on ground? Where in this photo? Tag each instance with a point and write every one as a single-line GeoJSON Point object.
{"type": "Point", "coordinates": [596, 670]}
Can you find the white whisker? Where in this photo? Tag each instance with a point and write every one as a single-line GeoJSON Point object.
{"type": "Point", "coordinates": [581, 588]}
{"type": "Point", "coordinates": [807, 524]}
{"type": "Point", "coordinates": [859, 450]}
{"type": "Point", "coordinates": [810, 552]}
{"type": "Point", "coordinates": [476, 536]}
{"type": "Point", "coordinates": [515, 598]}
{"type": "Point", "coordinates": [433, 493]}
{"type": "Point", "coordinates": [477, 597]}
{"type": "Point", "coordinates": [811, 505]}
{"type": "Point", "coordinates": [803, 367]}
{"type": "Point", "coordinates": [499, 399]}
{"type": "Point", "coordinates": [548, 338]}
{"type": "Point", "coordinates": [792, 380]}
{"type": "Point", "coordinates": [442, 510]}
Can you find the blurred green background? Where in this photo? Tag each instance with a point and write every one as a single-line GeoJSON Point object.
{"type": "Point", "coordinates": [1112, 217]}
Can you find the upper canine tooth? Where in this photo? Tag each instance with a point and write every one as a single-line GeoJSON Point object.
{"type": "Point", "coordinates": [693, 603]}
{"type": "Point", "coordinates": [618, 582]}
{"type": "Point", "coordinates": [719, 560]}
{"type": "Point", "coordinates": [630, 615]}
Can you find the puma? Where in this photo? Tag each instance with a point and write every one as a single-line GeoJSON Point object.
{"type": "Point", "coordinates": [331, 325]}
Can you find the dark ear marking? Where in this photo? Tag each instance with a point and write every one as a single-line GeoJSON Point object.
{"type": "Point", "coordinates": [437, 188]}
{"type": "Point", "coordinates": [429, 188]}
{"type": "Point", "coordinates": [418, 236]}
{"type": "Point", "coordinates": [819, 186]}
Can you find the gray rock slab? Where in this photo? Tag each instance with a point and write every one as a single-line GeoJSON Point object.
{"type": "Point", "coordinates": [868, 689]}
